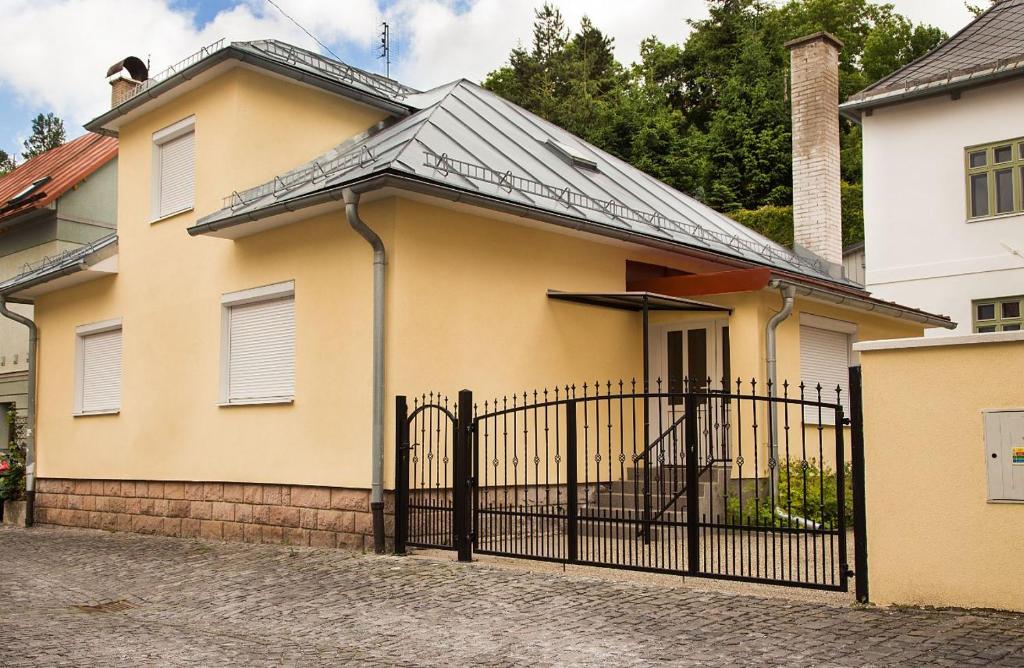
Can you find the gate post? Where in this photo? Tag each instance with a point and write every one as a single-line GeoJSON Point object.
{"type": "Point", "coordinates": [692, 485]}
{"type": "Point", "coordinates": [571, 464]}
{"type": "Point", "coordinates": [401, 473]}
{"type": "Point", "coordinates": [860, 520]}
{"type": "Point", "coordinates": [463, 479]}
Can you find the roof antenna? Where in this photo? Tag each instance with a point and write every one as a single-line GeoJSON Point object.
{"type": "Point", "coordinates": [385, 47]}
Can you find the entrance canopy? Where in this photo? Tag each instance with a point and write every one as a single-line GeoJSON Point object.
{"type": "Point", "coordinates": [635, 301]}
{"type": "Point", "coordinates": [644, 302]}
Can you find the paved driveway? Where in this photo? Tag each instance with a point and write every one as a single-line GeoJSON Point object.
{"type": "Point", "coordinates": [79, 597]}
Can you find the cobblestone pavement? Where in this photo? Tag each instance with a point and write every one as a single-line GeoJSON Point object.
{"type": "Point", "coordinates": [81, 597]}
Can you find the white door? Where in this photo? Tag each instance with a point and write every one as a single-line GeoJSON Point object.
{"type": "Point", "coordinates": [686, 356]}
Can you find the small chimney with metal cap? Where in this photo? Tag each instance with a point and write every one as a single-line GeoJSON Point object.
{"type": "Point", "coordinates": [817, 207]}
{"type": "Point", "coordinates": [125, 76]}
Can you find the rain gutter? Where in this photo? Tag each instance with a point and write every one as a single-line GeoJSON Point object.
{"type": "Point", "coordinates": [377, 431]}
{"type": "Point", "coordinates": [864, 304]}
{"type": "Point", "coordinates": [788, 293]}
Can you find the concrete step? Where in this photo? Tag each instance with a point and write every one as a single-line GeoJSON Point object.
{"type": "Point", "coordinates": [631, 501]}
{"type": "Point", "coordinates": [658, 486]}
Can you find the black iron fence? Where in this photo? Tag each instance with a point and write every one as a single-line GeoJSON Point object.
{"type": "Point", "coordinates": [726, 480]}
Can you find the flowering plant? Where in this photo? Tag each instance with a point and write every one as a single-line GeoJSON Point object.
{"type": "Point", "coordinates": [12, 465]}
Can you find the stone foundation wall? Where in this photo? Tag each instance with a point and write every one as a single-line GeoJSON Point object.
{"type": "Point", "coordinates": [253, 513]}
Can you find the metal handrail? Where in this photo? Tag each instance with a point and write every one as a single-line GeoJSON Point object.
{"type": "Point", "coordinates": [671, 428]}
{"type": "Point", "coordinates": [175, 68]}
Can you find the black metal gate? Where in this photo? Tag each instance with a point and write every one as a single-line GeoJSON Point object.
{"type": "Point", "coordinates": [723, 482]}
{"type": "Point", "coordinates": [432, 454]}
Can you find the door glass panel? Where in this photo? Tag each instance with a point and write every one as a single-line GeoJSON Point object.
{"type": "Point", "coordinates": [726, 361]}
{"type": "Point", "coordinates": [979, 195]}
{"type": "Point", "coordinates": [697, 358]}
{"type": "Point", "coordinates": [675, 367]}
{"type": "Point", "coordinates": [1004, 191]}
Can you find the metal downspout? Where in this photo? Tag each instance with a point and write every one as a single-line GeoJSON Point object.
{"type": "Point", "coordinates": [379, 262]}
{"type": "Point", "coordinates": [30, 436]}
{"type": "Point", "coordinates": [788, 293]}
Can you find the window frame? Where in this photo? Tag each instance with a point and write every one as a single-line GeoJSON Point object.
{"type": "Point", "coordinates": [265, 293]}
{"type": "Point", "coordinates": [997, 321]}
{"type": "Point", "coordinates": [160, 139]}
{"type": "Point", "coordinates": [82, 332]}
{"type": "Point", "coordinates": [990, 169]}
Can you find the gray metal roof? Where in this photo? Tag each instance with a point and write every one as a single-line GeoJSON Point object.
{"type": "Point", "coordinates": [467, 138]}
{"type": "Point", "coordinates": [990, 46]}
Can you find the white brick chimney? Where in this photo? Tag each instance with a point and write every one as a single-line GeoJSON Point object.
{"type": "Point", "coordinates": [814, 84]}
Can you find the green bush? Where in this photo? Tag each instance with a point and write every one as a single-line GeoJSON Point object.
{"type": "Point", "coordinates": [12, 461]}
{"type": "Point", "coordinates": [809, 493]}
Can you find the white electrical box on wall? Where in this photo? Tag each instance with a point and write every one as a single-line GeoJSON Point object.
{"type": "Point", "coordinates": [1004, 452]}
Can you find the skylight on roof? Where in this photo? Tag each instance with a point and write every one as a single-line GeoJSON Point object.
{"type": "Point", "coordinates": [29, 189]}
{"type": "Point", "coordinates": [572, 155]}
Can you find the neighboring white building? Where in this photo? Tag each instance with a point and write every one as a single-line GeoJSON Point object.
{"type": "Point", "coordinates": [944, 176]}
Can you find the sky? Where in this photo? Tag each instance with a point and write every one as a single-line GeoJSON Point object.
{"type": "Point", "coordinates": [56, 52]}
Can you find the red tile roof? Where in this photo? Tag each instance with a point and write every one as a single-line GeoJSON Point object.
{"type": "Point", "coordinates": [67, 166]}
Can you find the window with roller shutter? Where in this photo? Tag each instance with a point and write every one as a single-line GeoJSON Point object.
{"type": "Point", "coordinates": [824, 360]}
{"type": "Point", "coordinates": [259, 346]}
{"type": "Point", "coordinates": [174, 169]}
{"type": "Point", "coordinates": [98, 389]}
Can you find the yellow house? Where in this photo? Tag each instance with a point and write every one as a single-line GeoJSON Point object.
{"type": "Point", "coordinates": [298, 241]}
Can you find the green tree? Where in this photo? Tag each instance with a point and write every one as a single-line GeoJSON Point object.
{"type": "Point", "coordinates": [710, 116]}
{"type": "Point", "coordinates": [47, 133]}
{"type": "Point", "coordinates": [6, 162]}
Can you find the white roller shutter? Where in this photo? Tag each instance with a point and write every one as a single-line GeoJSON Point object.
{"type": "Point", "coordinates": [176, 167]}
{"type": "Point", "coordinates": [824, 359]}
{"type": "Point", "coordinates": [101, 371]}
{"type": "Point", "coordinates": [261, 350]}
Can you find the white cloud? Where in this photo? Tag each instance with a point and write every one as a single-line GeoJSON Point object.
{"type": "Point", "coordinates": [444, 44]}
{"type": "Point", "coordinates": [57, 51]}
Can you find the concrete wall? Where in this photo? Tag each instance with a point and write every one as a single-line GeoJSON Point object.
{"type": "Point", "coordinates": [933, 538]}
{"type": "Point", "coordinates": [921, 249]}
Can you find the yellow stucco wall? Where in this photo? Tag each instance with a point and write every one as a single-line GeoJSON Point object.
{"type": "Point", "coordinates": [248, 128]}
{"type": "Point", "coordinates": [933, 538]}
{"type": "Point", "coordinates": [466, 308]}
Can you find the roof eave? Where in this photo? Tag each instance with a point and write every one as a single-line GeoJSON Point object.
{"type": "Point", "coordinates": [405, 181]}
{"type": "Point", "coordinates": [864, 302]}
{"type": "Point", "coordinates": [100, 123]}
{"type": "Point", "coordinates": [854, 109]}
{"type": "Point", "coordinates": [102, 249]}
